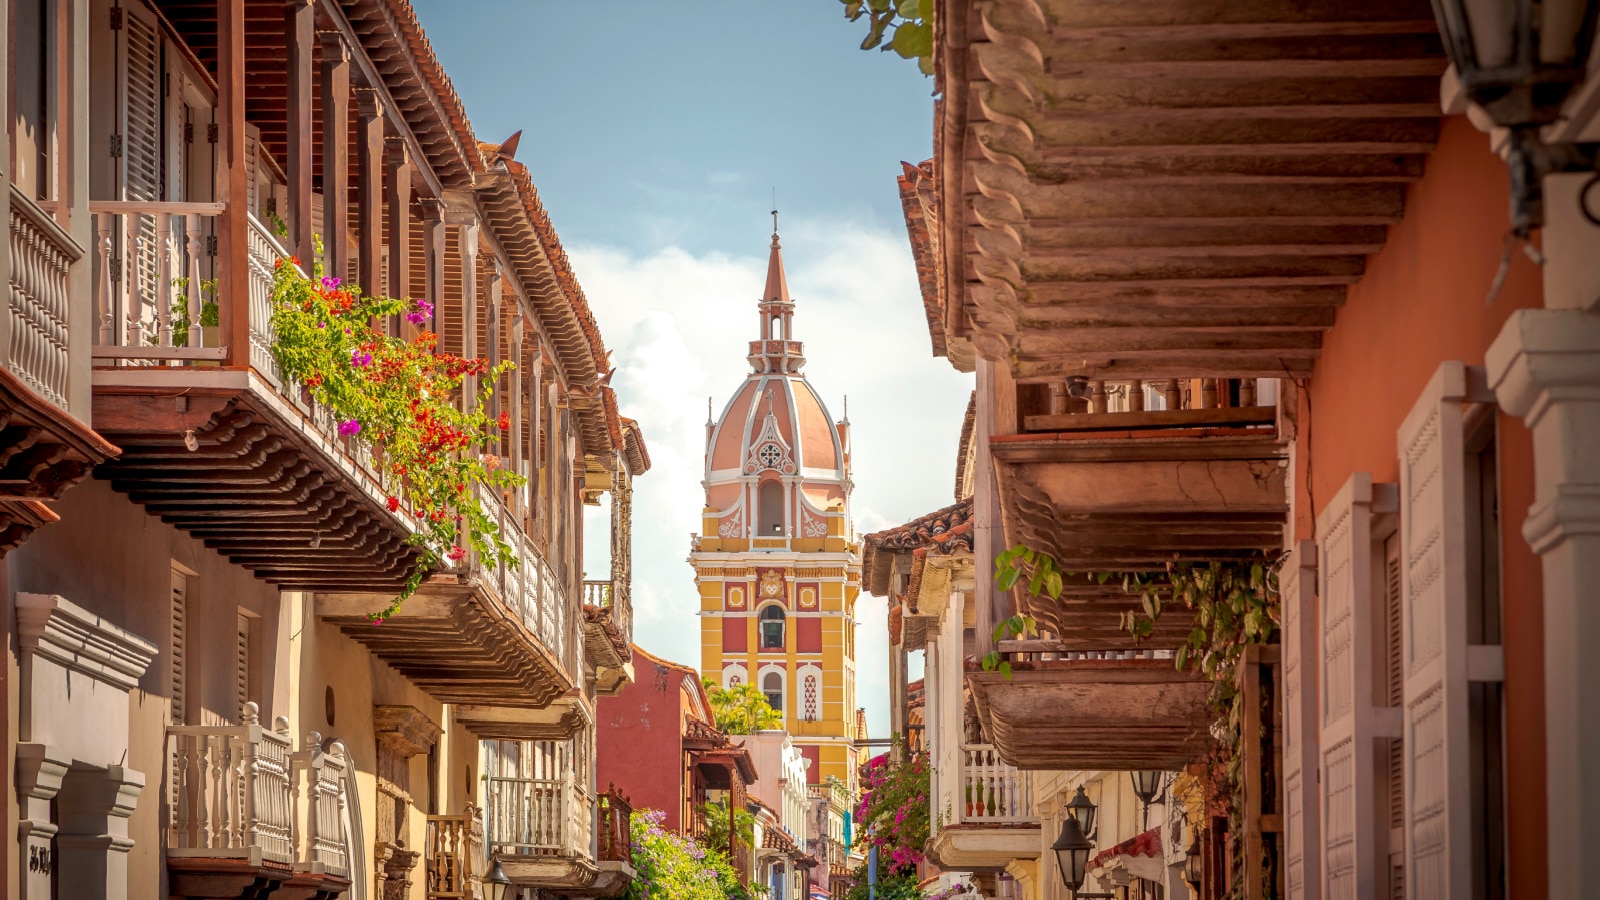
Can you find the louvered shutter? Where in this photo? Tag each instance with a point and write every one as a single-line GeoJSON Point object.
{"type": "Point", "coordinates": [241, 667]}
{"type": "Point", "coordinates": [1438, 824]}
{"type": "Point", "coordinates": [252, 170]}
{"type": "Point", "coordinates": [139, 143]}
{"type": "Point", "coordinates": [1345, 630]}
{"type": "Point", "coordinates": [1297, 589]}
{"type": "Point", "coordinates": [1394, 747]}
{"type": "Point", "coordinates": [179, 633]}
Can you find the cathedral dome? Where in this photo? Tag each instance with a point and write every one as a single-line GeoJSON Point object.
{"type": "Point", "coordinates": [776, 430]}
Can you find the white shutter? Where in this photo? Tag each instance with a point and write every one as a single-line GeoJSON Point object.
{"type": "Point", "coordinates": [1297, 590]}
{"type": "Point", "coordinates": [1438, 823]}
{"type": "Point", "coordinates": [1345, 629]}
{"type": "Point", "coordinates": [139, 143]}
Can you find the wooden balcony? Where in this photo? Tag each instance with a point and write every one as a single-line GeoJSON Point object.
{"type": "Point", "coordinates": [1165, 189]}
{"type": "Point", "coordinates": [613, 845]}
{"type": "Point", "coordinates": [608, 634]}
{"type": "Point", "coordinates": [248, 811]}
{"type": "Point", "coordinates": [455, 856]}
{"type": "Point", "coordinates": [1065, 709]}
{"type": "Point", "coordinates": [991, 816]}
{"type": "Point", "coordinates": [44, 448]}
{"type": "Point", "coordinates": [542, 831]}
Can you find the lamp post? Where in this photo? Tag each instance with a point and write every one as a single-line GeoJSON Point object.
{"type": "Point", "coordinates": [1082, 809]}
{"type": "Point", "coordinates": [1193, 867]}
{"type": "Point", "coordinates": [1518, 61]}
{"type": "Point", "coordinates": [496, 883]}
{"type": "Point", "coordinates": [1147, 787]}
{"type": "Point", "coordinates": [1072, 857]}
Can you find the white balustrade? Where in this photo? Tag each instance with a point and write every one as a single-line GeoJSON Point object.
{"type": "Point", "coordinates": [152, 261]}
{"type": "Point", "coordinates": [992, 791]}
{"type": "Point", "coordinates": [529, 588]}
{"type": "Point", "coordinates": [41, 258]}
{"type": "Point", "coordinates": [539, 817]}
{"type": "Point", "coordinates": [317, 799]}
{"type": "Point", "coordinates": [231, 795]}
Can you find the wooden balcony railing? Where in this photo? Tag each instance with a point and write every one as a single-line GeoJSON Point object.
{"type": "Point", "coordinates": [240, 792]}
{"type": "Point", "coordinates": [231, 795]}
{"type": "Point", "coordinates": [614, 833]}
{"type": "Point", "coordinates": [539, 817]}
{"type": "Point", "coordinates": [455, 855]}
{"type": "Point", "coordinates": [41, 257]}
{"type": "Point", "coordinates": [1065, 406]}
{"type": "Point", "coordinates": [991, 791]}
{"type": "Point", "coordinates": [151, 262]}
{"type": "Point", "coordinates": [531, 588]}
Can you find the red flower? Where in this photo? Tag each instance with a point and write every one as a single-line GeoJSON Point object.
{"type": "Point", "coordinates": [394, 504]}
{"type": "Point", "coordinates": [505, 420]}
{"type": "Point", "coordinates": [457, 554]}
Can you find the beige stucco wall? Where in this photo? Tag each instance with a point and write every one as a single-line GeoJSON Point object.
{"type": "Point", "coordinates": [111, 558]}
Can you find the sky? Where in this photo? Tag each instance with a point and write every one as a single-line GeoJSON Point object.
{"type": "Point", "coordinates": [656, 134]}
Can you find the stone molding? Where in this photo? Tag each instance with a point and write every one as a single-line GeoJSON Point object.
{"type": "Point", "coordinates": [405, 730]}
{"type": "Point", "coordinates": [75, 639]}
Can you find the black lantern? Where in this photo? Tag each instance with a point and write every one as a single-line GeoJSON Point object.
{"type": "Point", "coordinates": [1518, 61]}
{"type": "Point", "coordinates": [1072, 851]}
{"type": "Point", "coordinates": [1081, 810]}
{"type": "Point", "coordinates": [1193, 869]}
{"type": "Point", "coordinates": [497, 883]}
{"type": "Point", "coordinates": [1147, 786]}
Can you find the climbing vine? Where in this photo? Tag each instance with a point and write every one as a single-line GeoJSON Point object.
{"type": "Point", "coordinates": [399, 396]}
{"type": "Point", "coordinates": [904, 26]}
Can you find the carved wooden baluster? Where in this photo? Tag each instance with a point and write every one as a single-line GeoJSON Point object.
{"type": "Point", "coordinates": [1136, 396]}
{"type": "Point", "coordinates": [132, 305]}
{"type": "Point", "coordinates": [1208, 393]}
{"type": "Point", "coordinates": [1097, 396]}
{"type": "Point", "coordinates": [1058, 398]}
{"type": "Point", "coordinates": [1169, 393]}
{"type": "Point", "coordinates": [106, 289]}
{"type": "Point", "coordinates": [164, 285]}
{"type": "Point", "coordinates": [1247, 392]}
{"type": "Point", "coordinates": [197, 246]}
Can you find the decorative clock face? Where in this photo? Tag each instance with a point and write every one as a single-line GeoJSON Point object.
{"type": "Point", "coordinates": [770, 455]}
{"type": "Point", "coordinates": [771, 584]}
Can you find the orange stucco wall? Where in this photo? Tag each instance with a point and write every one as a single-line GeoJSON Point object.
{"type": "Point", "coordinates": [1421, 302]}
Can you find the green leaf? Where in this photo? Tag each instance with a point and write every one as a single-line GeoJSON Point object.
{"type": "Point", "coordinates": [1052, 585]}
{"type": "Point", "coordinates": [881, 6]}
{"type": "Point", "coordinates": [913, 40]}
{"type": "Point", "coordinates": [1103, 577]}
{"type": "Point", "coordinates": [925, 10]}
{"type": "Point", "coordinates": [907, 8]}
{"type": "Point", "coordinates": [1005, 670]}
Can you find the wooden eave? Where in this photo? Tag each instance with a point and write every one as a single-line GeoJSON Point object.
{"type": "Point", "coordinates": [265, 487]}
{"type": "Point", "coordinates": [1094, 714]}
{"type": "Point", "coordinates": [603, 643]}
{"type": "Point", "coordinates": [1175, 188]}
{"type": "Point", "coordinates": [456, 641]}
{"type": "Point", "coordinates": [44, 450]}
{"type": "Point", "coordinates": [557, 722]}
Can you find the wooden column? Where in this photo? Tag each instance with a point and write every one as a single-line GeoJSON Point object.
{"type": "Point", "coordinates": [496, 294]}
{"type": "Point", "coordinates": [233, 259]}
{"type": "Point", "coordinates": [469, 309]}
{"type": "Point", "coordinates": [369, 214]}
{"type": "Point", "coordinates": [397, 197]}
{"type": "Point", "coordinates": [299, 31]}
{"type": "Point", "coordinates": [336, 153]}
{"type": "Point", "coordinates": [433, 230]}
{"type": "Point", "coordinates": [513, 436]}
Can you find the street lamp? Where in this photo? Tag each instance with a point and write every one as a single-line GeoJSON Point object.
{"type": "Point", "coordinates": [499, 885]}
{"type": "Point", "coordinates": [1518, 61]}
{"type": "Point", "coordinates": [1082, 810]}
{"type": "Point", "coordinates": [1147, 786]}
{"type": "Point", "coordinates": [1072, 858]}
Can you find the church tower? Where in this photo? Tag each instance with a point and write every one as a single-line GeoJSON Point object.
{"type": "Point", "coordinates": [777, 562]}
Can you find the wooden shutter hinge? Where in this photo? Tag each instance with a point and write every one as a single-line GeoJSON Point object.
{"type": "Point", "coordinates": [116, 146]}
{"type": "Point", "coordinates": [116, 18]}
{"type": "Point", "coordinates": [213, 132]}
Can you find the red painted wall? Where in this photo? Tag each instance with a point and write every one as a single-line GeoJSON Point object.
{"type": "Point", "coordinates": [808, 635]}
{"type": "Point", "coordinates": [1421, 302]}
{"type": "Point", "coordinates": [735, 635]}
{"type": "Point", "coordinates": [639, 740]}
{"type": "Point", "coordinates": [814, 771]}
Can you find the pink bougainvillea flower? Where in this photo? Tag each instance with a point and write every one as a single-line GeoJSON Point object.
{"type": "Point", "coordinates": [330, 282]}
{"type": "Point", "coordinates": [349, 428]}
{"type": "Point", "coordinates": [422, 314]}
{"type": "Point", "coordinates": [360, 359]}
{"type": "Point", "coordinates": [457, 554]}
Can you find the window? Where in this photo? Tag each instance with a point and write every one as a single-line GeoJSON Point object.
{"type": "Point", "coordinates": [771, 496]}
{"type": "Point", "coordinates": [772, 621]}
{"type": "Point", "coordinates": [770, 455]}
{"type": "Point", "coordinates": [772, 686]}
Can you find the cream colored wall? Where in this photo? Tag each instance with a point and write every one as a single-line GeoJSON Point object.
{"type": "Point", "coordinates": [110, 557]}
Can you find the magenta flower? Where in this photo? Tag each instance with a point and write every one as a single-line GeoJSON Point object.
{"type": "Point", "coordinates": [423, 313]}
{"type": "Point", "coordinates": [360, 359]}
{"type": "Point", "coordinates": [330, 282]}
{"type": "Point", "coordinates": [349, 428]}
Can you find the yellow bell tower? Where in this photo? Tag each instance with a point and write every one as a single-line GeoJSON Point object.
{"type": "Point", "coordinates": [777, 563]}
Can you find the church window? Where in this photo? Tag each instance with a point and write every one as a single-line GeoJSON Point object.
{"type": "Point", "coordinates": [772, 687]}
{"type": "Point", "coordinates": [811, 698]}
{"type": "Point", "coordinates": [771, 496]}
{"type": "Point", "coordinates": [770, 455]}
{"type": "Point", "coordinates": [772, 620]}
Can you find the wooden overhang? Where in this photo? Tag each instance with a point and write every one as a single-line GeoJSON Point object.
{"type": "Point", "coordinates": [265, 485]}
{"type": "Point", "coordinates": [607, 650]}
{"type": "Point", "coordinates": [1088, 714]}
{"type": "Point", "coordinates": [559, 721]}
{"type": "Point", "coordinates": [1172, 188]}
{"type": "Point", "coordinates": [44, 450]}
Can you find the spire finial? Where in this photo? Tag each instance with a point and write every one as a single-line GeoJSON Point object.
{"type": "Point", "coordinates": [774, 217]}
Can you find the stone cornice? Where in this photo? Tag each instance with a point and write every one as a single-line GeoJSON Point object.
{"type": "Point", "coordinates": [59, 630]}
{"type": "Point", "coordinates": [404, 729]}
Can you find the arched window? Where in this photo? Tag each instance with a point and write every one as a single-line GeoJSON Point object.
{"type": "Point", "coordinates": [772, 628]}
{"type": "Point", "coordinates": [771, 502]}
{"type": "Point", "coordinates": [772, 686]}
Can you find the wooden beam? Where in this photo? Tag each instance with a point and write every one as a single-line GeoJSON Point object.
{"type": "Point", "coordinates": [1170, 418]}
{"type": "Point", "coordinates": [397, 198]}
{"type": "Point", "coordinates": [233, 225]}
{"type": "Point", "coordinates": [335, 87]}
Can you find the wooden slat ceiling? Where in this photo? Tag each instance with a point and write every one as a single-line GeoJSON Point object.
{"type": "Point", "coordinates": [1175, 187]}
{"type": "Point", "coordinates": [1094, 714]}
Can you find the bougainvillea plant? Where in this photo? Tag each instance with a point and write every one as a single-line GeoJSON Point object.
{"type": "Point", "coordinates": [400, 397]}
{"type": "Point", "coordinates": [893, 811]}
{"type": "Point", "coordinates": [670, 866]}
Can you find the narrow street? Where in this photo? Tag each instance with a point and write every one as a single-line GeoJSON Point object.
{"type": "Point", "coordinates": [1126, 450]}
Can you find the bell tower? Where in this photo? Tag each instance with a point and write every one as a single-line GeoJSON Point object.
{"type": "Point", "coordinates": [777, 562]}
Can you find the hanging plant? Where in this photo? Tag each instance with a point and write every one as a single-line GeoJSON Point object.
{"type": "Point", "coordinates": [399, 396]}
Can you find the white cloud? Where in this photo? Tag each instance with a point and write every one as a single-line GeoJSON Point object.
{"type": "Point", "coordinates": [678, 325]}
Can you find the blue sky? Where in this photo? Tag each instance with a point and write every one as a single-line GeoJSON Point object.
{"type": "Point", "coordinates": [656, 133]}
